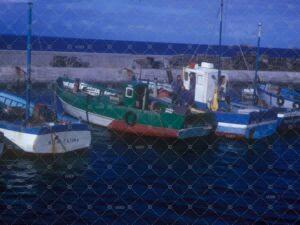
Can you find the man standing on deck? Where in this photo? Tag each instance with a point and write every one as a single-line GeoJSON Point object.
{"type": "Point", "coordinates": [177, 86]}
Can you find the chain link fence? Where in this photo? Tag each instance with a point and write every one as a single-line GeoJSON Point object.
{"type": "Point", "coordinates": [133, 179]}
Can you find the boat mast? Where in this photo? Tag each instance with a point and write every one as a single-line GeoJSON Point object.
{"type": "Point", "coordinates": [28, 62]}
{"type": "Point", "coordinates": [256, 77]}
{"type": "Point", "coordinates": [220, 41]}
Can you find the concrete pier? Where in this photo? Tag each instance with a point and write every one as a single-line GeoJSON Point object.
{"type": "Point", "coordinates": [109, 67]}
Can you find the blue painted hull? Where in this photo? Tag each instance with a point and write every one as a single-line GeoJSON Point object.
{"type": "Point", "coordinates": [288, 119]}
{"type": "Point", "coordinates": [245, 123]}
{"type": "Point", "coordinates": [246, 126]}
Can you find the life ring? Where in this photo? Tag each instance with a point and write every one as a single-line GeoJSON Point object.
{"type": "Point", "coordinates": [296, 105]}
{"type": "Point", "coordinates": [130, 118]}
{"type": "Point", "coordinates": [280, 101]}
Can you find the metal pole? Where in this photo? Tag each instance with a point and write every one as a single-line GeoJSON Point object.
{"type": "Point", "coordinates": [257, 58]}
{"type": "Point", "coordinates": [220, 41]}
{"type": "Point", "coordinates": [28, 62]}
{"type": "Point", "coordinates": [54, 102]}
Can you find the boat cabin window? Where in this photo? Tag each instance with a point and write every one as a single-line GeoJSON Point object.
{"type": "Point", "coordinates": [129, 92]}
{"type": "Point", "coordinates": [186, 76]}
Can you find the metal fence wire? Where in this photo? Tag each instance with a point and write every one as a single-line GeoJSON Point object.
{"type": "Point", "coordinates": [100, 127]}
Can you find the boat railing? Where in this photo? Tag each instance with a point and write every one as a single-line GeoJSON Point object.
{"type": "Point", "coordinates": [12, 101]}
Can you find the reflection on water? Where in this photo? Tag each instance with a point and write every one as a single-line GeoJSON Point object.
{"type": "Point", "coordinates": [130, 180]}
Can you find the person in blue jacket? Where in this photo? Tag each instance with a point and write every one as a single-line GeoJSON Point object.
{"type": "Point", "coordinates": [177, 86]}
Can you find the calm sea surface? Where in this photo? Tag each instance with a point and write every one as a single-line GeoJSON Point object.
{"type": "Point", "coordinates": [132, 180]}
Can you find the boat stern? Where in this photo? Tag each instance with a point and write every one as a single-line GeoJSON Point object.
{"type": "Point", "coordinates": [62, 138]}
{"type": "Point", "coordinates": [254, 125]}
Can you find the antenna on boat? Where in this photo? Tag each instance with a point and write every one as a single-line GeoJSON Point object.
{"type": "Point", "coordinates": [28, 62]}
{"type": "Point", "coordinates": [220, 40]}
{"type": "Point", "coordinates": [256, 77]}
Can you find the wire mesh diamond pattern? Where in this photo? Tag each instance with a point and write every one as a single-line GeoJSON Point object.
{"type": "Point", "coordinates": [140, 169]}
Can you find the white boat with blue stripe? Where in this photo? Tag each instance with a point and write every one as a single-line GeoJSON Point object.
{"type": "Point", "coordinates": [39, 137]}
{"type": "Point", "coordinates": [33, 128]}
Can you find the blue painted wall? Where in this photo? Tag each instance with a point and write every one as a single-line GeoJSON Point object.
{"type": "Point", "coordinates": [12, 42]}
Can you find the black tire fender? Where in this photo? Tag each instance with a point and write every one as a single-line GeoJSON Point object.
{"type": "Point", "coordinates": [127, 118]}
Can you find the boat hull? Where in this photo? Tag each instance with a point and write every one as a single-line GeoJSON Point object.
{"type": "Point", "coordinates": [289, 120]}
{"type": "Point", "coordinates": [244, 123]}
{"type": "Point", "coordinates": [252, 125]}
{"type": "Point", "coordinates": [143, 130]}
{"type": "Point", "coordinates": [121, 126]}
{"type": "Point", "coordinates": [247, 131]}
{"type": "Point", "coordinates": [52, 139]}
{"type": "Point", "coordinates": [86, 116]}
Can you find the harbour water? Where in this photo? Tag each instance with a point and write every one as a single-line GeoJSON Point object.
{"type": "Point", "coordinates": [133, 180]}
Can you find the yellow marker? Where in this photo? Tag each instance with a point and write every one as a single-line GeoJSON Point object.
{"type": "Point", "coordinates": [215, 105]}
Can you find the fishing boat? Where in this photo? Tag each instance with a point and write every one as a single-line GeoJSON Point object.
{"type": "Point", "coordinates": [41, 133]}
{"type": "Point", "coordinates": [277, 96]}
{"type": "Point", "coordinates": [284, 100]}
{"type": "Point", "coordinates": [131, 110]}
{"type": "Point", "coordinates": [234, 120]}
{"type": "Point", "coordinates": [33, 128]}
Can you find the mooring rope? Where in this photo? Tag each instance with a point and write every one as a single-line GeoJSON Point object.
{"type": "Point", "coordinates": [56, 137]}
